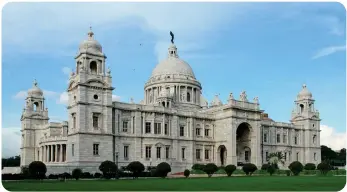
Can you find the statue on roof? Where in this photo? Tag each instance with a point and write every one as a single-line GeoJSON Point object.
{"type": "Point", "coordinates": [172, 37]}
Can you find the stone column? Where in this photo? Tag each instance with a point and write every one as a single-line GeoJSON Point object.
{"type": "Point", "coordinates": [57, 153]}
{"type": "Point", "coordinates": [51, 151]}
{"type": "Point", "coordinates": [61, 153]}
{"type": "Point", "coordinates": [163, 126]}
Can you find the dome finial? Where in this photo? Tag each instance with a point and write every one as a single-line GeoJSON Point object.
{"type": "Point", "coordinates": [90, 33]}
{"type": "Point", "coordinates": [304, 86]}
{"type": "Point", "coordinates": [172, 37]}
{"type": "Point", "coordinates": [35, 83]}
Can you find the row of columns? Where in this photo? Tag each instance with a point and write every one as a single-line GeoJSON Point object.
{"type": "Point", "coordinates": [53, 153]}
{"type": "Point", "coordinates": [151, 93]}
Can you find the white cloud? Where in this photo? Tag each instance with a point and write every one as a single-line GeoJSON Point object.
{"type": "Point", "coordinates": [21, 95]}
{"type": "Point", "coordinates": [115, 98]}
{"type": "Point", "coordinates": [11, 141]}
{"type": "Point", "coordinates": [67, 70]}
{"type": "Point", "coordinates": [331, 138]}
{"type": "Point", "coordinates": [63, 98]}
{"type": "Point", "coordinates": [328, 51]}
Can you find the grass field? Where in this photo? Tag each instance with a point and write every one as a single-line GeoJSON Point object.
{"type": "Point", "coordinates": [260, 183]}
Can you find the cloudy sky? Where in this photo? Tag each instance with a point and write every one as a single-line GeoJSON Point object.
{"type": "Point", "coordinates": [267, 49]}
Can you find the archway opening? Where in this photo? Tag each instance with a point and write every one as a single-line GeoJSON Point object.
{"type": "Point", "coordinates": [243, 143]}
{"type": "Point", "coordinates": [222, 150]}
{"type": "Point", "coordinates": [93, 67]}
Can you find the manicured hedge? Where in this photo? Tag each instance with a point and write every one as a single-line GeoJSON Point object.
{"type": "Point", "coordinates": [277, 172]}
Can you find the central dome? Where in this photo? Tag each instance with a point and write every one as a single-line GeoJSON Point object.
{"type": "Point", "coordinates": [173, 65]}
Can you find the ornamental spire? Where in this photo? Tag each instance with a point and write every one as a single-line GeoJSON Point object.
{"type": "Point", "coordinates": [90, 33]}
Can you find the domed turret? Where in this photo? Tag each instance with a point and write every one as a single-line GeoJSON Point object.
{"type": "Point", "coordinates": [304, 93]}
{"type": "Point", "coordinates": [90, 45]}
{"type": "Point", "coordinates": [35, 90]}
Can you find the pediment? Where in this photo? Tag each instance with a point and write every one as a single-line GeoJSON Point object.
{"type": "Point", "coordinates": [96, 82]}
{"type": "Point", "coordinates": [298, 118]}
{"type": "Point", "coordinates": [314, 117]}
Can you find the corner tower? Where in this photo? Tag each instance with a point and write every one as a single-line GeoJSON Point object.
{"type": "Point", "coordinates": [33, 118]}
{"type": "Point", "coordinates": [173, 83]}
{"type": "Point", "coordinates": [306, 118]}
{"type": "Point", "coordinates": [90, 107]}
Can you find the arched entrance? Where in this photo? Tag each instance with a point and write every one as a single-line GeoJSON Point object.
{"type": "Point", "coordinates": [243, 143]}
{"type": "Point", "coordinates": [222, 155]}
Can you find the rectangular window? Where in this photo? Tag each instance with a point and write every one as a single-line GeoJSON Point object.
{"type": "Point", "coordinates": [73, 149]}
{"type": "Point", "coordinates": [181, 131]}
{"type": "Point", "coordinates": [183, 153]}
{"type": "Point", "coordinates": [197, 131]}
{"type": "Point", "coordinates": [278, 138]}
{"type": "Point", "coordinates": [314, 156]}
{"type": "Point", "coordinates": [126, 149]}
{"type": "Point", "coordinates": [267, 156]}
{"type": "Point", "coordinates": [265, 137]}
{"type": "Point", "coordinates": [295, 140]}
{"type": "Point", "coordinates": [166, 129]}
{"type": "Point", "coordinates": [148, 127]}
{"type": "Point", "coordinates": [246, 155]}
{"type": "Point", "coordinates": [167, 152]}
{"type": "Point", "coordinates": [95, 121]}
{"type": "Point", "coordinates": [157, 128]}
{"type": "Point", "coordinates": [95, 149]}
{"type": "Point", "coordinates": [125, 126]}
{"type": "Point", "coordinates": [285, 156]}
{"type": "Point", "coordinates": [284, 138]}
{"type": "Point", "coordinates": [148, 152]}
{"type": "Point", "coordinates": [198, 155]}
{"type": "Point", "coordinates": [297, 156]}
{"type": "Point", "coordinates": [207, 154]}
{"type": "Point", "coordinates": [158, 152]}
{"type": "Point", "coordinates": [207, 132]}
{"type": "Point", "coordinates": [74, 120]}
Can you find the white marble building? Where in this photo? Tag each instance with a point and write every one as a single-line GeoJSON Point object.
{"type": "Point", "coordinates": [173, 123]}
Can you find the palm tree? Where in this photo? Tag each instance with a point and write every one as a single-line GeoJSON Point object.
{"type": "Point", "coordinates": [275, 158]}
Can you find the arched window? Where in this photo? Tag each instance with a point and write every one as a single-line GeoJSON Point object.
{"type": "Point", "coordinates": [93, 67]}
{"type": "Point", "coordinates": [301, 108]}
{"type": "Point", "coordinates": [36, 106]}
{"type": "Point", "coordinates": [314, 139]}
{"type": "Point", "coordinates": [188, 97]}
{"type": "Point", "coordinates": [163, 103]}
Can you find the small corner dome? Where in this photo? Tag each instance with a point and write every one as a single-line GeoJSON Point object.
{"type": "Point", "coordinates": [35, 90]}
{"type": "Point", "coordinates": [173, 65]}
{"type": "Point", "coordinates": [90, 44]}
{"type": "Point", "coordinates": [304, 93]}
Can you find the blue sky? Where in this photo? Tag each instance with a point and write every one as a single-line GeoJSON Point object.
{"type": "Point", "coordinates": [267, 49]}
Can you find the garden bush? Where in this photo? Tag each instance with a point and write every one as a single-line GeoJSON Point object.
{"type": "Point", "coordinates": [163, 169]}
{"type": "Point", "coordinates": [271, 169]}
{"type": "Point", "coordinates": [150, 168]}
{"type": "Point", "coordinates": [37, 170]}
{"type": "Point", "coordinates": [229, 169]}
{"type": "Point", "coordinates": [296, 167]}
{"type": "Point", "coordinates": [324, 168]}
{"type": "Point", "coordinates": [108, 169]}
{"type": "Point", "coordinates": [210, 168]}
{"type": "Point", "coordinates": [186, 173]}
{"type": "Point", "coordinates": [198, 167]}
{"type": "Point", "coordinates": [10, 176]}
{"type": "Point", "coordinates": [264, 166]}
{"type": "Point", "coordinates": [76, 173]}
{"type": "Point", "coordinates": [310, 166]}
{"type": "Point", "coordinates": [288, 172]}
{"type": "Point", "coordinates": [136, 168]}
{"type": "Point", "coordinates": [249, 168]}
{"type": "Point", "coordinates": [86, 175]}
{"type": "Point", "coordinates": [97, 175]}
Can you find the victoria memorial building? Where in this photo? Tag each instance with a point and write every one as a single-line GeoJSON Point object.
{"type": "Point", "coordinates": [173, 123]}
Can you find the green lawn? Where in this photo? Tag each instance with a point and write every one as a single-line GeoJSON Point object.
{"type": "Point", "coordinates": [254, 183]}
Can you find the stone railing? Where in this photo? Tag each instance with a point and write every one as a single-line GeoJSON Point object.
{"type": "Point", "coordinates": [244, 104]}
{"type": "Point", "coordinates": [50, 139]}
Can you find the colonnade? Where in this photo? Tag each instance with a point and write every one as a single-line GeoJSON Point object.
{"type": "Point", "coordinates": [181, 93]}
{"type": "Point", "coordinates": [53, 153]}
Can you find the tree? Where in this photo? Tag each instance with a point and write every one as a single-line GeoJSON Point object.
{"type": "Point", "coordinates": [310, 166]}
{"type": "Point", "coordinates": [271, 169]}
{"type": "Point", "coordinates": [210, 168]}
{"type": "Point", "coordinates": [76, 173]}
{"type": "Point", "coordinates": [296, 167]}
{"type": "Point", "coordinates": [108, 169]}
{"type": "Point", "coordinates": [249, 168]}
{"type": "Point", "coordinates": [324, 167]}
{"type": "Point", "coordinates": [37, 170]}
{"type": "Point", "coordinates": [136, 168]}
{"type": "Point", "coordinates": [264, 166]}
{"type": "Point", "coordinates": [163, 169]}
{"type": "Point", "coordinates": [275, 159]}
{"type": "Point", "coordinates": [186, 173]}
{"type": "Point", "coordinates": [327, 153]}
{"type": "Point", "coordinates": [229, 169]}
{"type": "Point", "coordinates": [10, 162]}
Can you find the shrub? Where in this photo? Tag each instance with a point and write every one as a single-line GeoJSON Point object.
{"type": "Point", "coordinates": [249, 168]}
{"type": "Point", "coordinates": [163, 169]}
{"type": "Point", "coordinates": [229, 169]}
{"type": "Point", "coordinates": [264, 166]}
{"type": "Point", "coordinates": [210, 168]}
{"type": "Point", "coordinates": [288, 172]}
{"type": "Point", "coordinates": [153, 173]}
{"type": "Point", "coordinates": [271, 169]}
{"type": "Point", "coordinates": [310, 166]}
{"type": "Point", "coordinates": [97, 175]}
{"type": "Point", "coordinates": [76, 173]}
{"type": "Point", "coordinates": [86, 175]}
{"type": "Point", "coordinates": [324, 168]}
{"type": "Point", "coordinates": [150, 168]}
{"type": "Point", "coordinates": [37, 169]}
{"type": "Point", "coordinates": [296, 167]}
{"type": "Point", "coordinates": [186, 173]}
{"type": "Point", "coordinates": [221, 168]}
{"type": "Point", "coordinates": [136, 168]}
{"type": "Point", "coordinates": [198, 167]}
{"type": "Point", "coordinates": [108, 169]}
{"type": "Point", "coordinates": [67, 175]}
